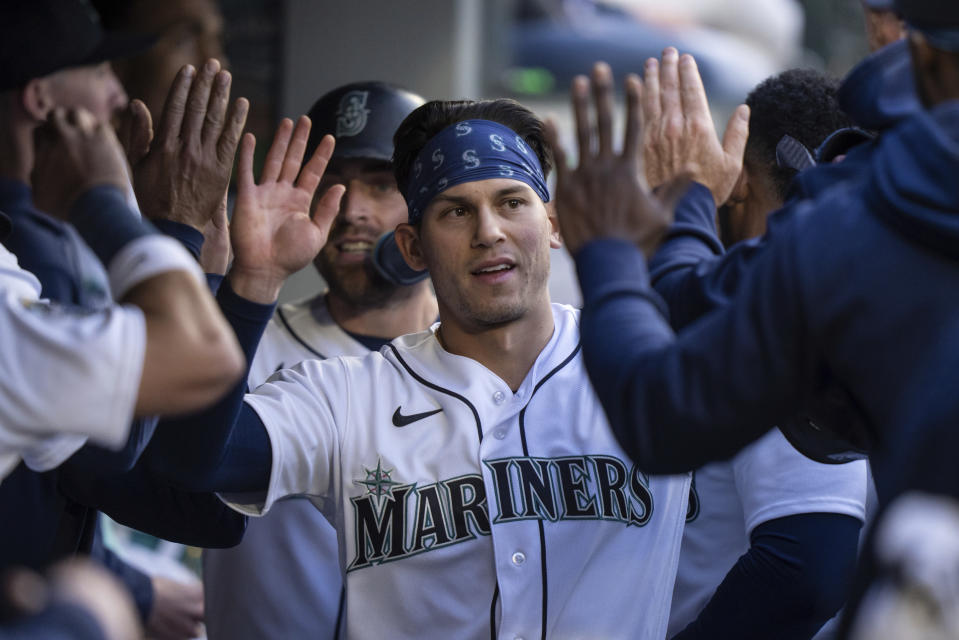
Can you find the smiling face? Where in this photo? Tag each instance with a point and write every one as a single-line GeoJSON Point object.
{"type": "Point", "coordinates": [371, 206]}
{"type": "Point", "coordinates": [486, 245]}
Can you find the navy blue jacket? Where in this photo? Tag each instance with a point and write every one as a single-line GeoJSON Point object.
{"type": "Point", "coordinates": [854, 286]}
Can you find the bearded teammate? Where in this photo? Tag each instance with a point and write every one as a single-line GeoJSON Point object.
{"type": "Point", "coordinates": [474, 481]}
{"type": "Point", "coordinates": [283, 580]}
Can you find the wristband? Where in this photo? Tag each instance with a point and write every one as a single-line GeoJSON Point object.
{"type": "Point", "coordinates": [147, 257]}
{"type": "Point", "coordinates": [106, 222]}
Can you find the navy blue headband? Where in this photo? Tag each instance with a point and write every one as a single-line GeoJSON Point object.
{"type": "Point", "coordinates": [469, 151]}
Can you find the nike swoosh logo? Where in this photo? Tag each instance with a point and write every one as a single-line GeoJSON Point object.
{"type": "Point", "coordinates": [399, 420]}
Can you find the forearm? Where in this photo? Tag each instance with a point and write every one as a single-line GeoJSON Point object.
{"type": "Point", "coordinates": [787, 585]}
{"type": "Point", "coordinates": [208, 451]}
{"type": "Point", "coordinates": [675, 404]}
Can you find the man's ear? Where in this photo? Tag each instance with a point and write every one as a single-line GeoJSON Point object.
{"type": "Point", "coordinates": [36, 99]}
{"type": "Point", "coordinates": [555, 237]}
{"type": "Point", "coordinates": [408, 241]}
{"type": "Point", "coordinates": [741, 189]}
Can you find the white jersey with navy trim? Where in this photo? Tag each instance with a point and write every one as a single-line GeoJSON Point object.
{"type": "Point", "coordinates": [769, 479]}
{"type": "Point", "coordinates": [466, 510]}
{"type": "Point", "coordinates": [283, 580]}
{"type": "Point", "coordinates": [65, 373]}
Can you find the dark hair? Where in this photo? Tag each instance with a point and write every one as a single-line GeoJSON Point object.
{"type": "Point", "coordinates": [800, 103]}
{"type": "Point", "coordinates": [428, 120]}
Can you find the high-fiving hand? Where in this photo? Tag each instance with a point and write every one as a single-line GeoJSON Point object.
{"type": "Point", "coordinates": [272, 231]}
{"type": "Point", "coordinates": [182, 174]}
{"type": "Point", "coordinates": [606, 196]}
{"type": "Point", "coordinates": [678, 132]}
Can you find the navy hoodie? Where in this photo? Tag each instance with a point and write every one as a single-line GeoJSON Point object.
{"type": "Point", "coordinates": [855, 286]}
{"type": "Point", "coordinates": [695, 276]}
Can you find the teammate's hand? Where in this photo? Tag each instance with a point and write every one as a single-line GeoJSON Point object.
{"type": "Point", "coordinates": [74, 153]}
{"type": "Point", "coordinates": [678, 132]}
{"type": "Point", "coordinates": [216, 253]}
{"type": "Point", "coordinates": [606, 196]}
{"type": "Point", "coordinates": [82, 583]}
{"type": "Point", "coordinates": [272, 232]}
{"type": "Point", "coordinates": [177, 612]}
{"type": "Point", "coordinates": [182, 174]}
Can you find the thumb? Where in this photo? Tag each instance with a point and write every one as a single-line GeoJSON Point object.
{"type": "Point", "coordinates": [737, 132]}
{"type": "Point", "coordinates": [327, 208]}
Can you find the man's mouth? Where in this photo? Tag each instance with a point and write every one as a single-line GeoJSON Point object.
{"type": "Point", "coordinates": [494, 269]}
{"type": "Point", "coordinates": [355, 246]}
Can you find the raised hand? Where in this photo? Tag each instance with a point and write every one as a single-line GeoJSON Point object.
{"type": "Point", "coordinates": [678, 132]}
{"type": "Point", "coordinates": [606, 196]}
{"type": "Point", "coordinates": [74, 153]}
{"type": "Point", "coordinates": [183, 173]}
{"type": "Point", "coordinates": [272, 232]}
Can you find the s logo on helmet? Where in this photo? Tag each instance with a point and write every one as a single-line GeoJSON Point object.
{"type": "Point", "coordinates": [352, 114]}
{"type": "Point", "coordinates": [469, 157]}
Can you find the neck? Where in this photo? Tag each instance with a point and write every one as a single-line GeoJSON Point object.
{"type": "Point", "coordinates": [508, 350]}
{"type": "Point", "coordinates": [412, 312]}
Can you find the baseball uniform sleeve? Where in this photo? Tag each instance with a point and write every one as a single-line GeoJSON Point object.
{"type": "Point", "coordinates": [302, 409]}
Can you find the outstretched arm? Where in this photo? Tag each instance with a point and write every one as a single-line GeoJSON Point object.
{"type": "Point", "coordinates": [226, 448]}
{"type": "Point", "coordinates": [673, 404]}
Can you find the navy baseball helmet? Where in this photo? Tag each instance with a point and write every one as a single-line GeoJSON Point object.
{"type": "Point", "coordinates": [362, 116]}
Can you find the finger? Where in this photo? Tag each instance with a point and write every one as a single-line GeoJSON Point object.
{"type": "Point", "coordinates": [652, 105]}
{"type": "Point", "coordinates": [559, 153]}
{"type": "Point", "coordinates": [669, 85]}
{"type": "Point", "coordinates": [197, 102]}
{"type": "Point", "coordinates": [171, 119]}
{"type": "Point", "coordinates": [634, 121]}
{"type": "Point", "coordinates": [312, 173]}
{"type": "Point", "coordinates": [274, 157]}
{"type": "Point", "coordinates": [245, 182]}
{"type": "Point", "coordinates": [737, 132]}
{"type": "Point", "coordinates": [327, 208]}
{"type": "Point", "coordinates": [216, 108]}
{"type": "Point", "coordinates": [293, 159]}
{"type": "Point", "coordinates": [235, 121]}
{"type": "Point", "coordinates": [83, 119]}
{"type": "Point", "coordinates": [603, 99]}
{"type": "Point", "coordinates": [580, 101]}
{"type": "Point", "coordinates": [691, 91]}
{"type": "Point", "coordinates": [141, 131]}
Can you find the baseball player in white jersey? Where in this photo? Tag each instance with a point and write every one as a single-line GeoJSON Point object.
{"type": "Point", "coordinates": [474, 482]}
{"type": "Point", "coordinates": [71, 374]}
{"type": "Point", "coordinates": [767, 480]}
{"type": "Point", "coordinates": [284, 580]}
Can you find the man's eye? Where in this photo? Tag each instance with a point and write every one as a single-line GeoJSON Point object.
{"type": "Point", "coordinates": [384, 187]}
{"type": "Point", "coordinates": [514, 203]}
{"type": "Point", "coordinates": [457, 212]}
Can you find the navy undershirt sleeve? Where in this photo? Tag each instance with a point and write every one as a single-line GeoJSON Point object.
{"type": "Point", "coordinates": [189, 237]}
{"type": "Point", "coordinates": [791, 581]}
{"type": "Point", "coordinates": [59, 621]}
{"type": "Point", "coordinates": [226, 447]}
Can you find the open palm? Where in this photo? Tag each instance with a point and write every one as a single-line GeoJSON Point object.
{"type": "Point", "coordinates": [272, 232]}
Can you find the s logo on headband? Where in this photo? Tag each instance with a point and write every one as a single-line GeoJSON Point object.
{"type": "Point", "coordinates": [496, 141]}
{"type": "Point", "coordinates": [469, 157]}
{"type": "Point", "coordinates": [463, 129]}
{"type": "Point", "coordinates": [438, 158]}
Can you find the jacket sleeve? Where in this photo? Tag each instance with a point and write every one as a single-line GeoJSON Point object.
{"type": "Point", "coordinates": [677, 403]}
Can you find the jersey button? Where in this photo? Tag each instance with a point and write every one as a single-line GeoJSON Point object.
{"type": "Point", "coordinates": [519, 558]}
{"type": "Point", "coordinates": [499, 397]}
{"type": "Point", "coordinates": [499, 434]}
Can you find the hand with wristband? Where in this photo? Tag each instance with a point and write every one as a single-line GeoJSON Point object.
{"type": "Point", "coordinates": [190, 357]}
{"type": "Point", "coordinates": [273, 232]}
{"type": "Point", "coordinates": [182, 174]}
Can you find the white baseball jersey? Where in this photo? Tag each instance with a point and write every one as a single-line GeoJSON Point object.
{"type": "Point", "coordinates": [283, 580]}
{"type": "Point", "coordinates": [465, 510]}
{"type": "Point", "coordinates": [769, 479]}
{"type": "Point", "coordinates": [65, 373]}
